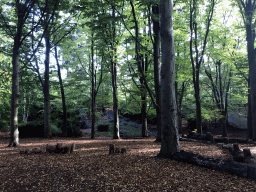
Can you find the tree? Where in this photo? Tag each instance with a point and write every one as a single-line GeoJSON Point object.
{"type": "Point", "coordinates": [22, 11]}
{"type": "Point", "coordinates": [156, 29]}
{"type": "Point", "coordinates": [197, 60]}
{"type": "Point", "coordinates": [93, 90]}
{"type": "Point", "coordinates": [142, 66]}
{"type": "Point", "coordinates": [51, 29]}
{"type": "Point", "coordinates": [170, 139]}
{"type": "Point", "coordinates": [247, 10]}
{"type": "Point", "coordinates": [64, 129]}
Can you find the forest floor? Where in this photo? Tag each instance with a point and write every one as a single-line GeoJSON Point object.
{"type": "Point", "coordinates": [91, 168]}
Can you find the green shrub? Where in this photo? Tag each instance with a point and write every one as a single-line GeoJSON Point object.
{"type": "Point", "coordinates": [97, 116]}
{"type": "Point", "coordinates": [5, 125]}
{"type": "Point", "coordinates": [55, 129]}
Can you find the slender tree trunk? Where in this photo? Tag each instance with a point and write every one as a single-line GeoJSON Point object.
{"type": "Point", "coordinates": [144, 64]}
{"type": "Point", "coordinates": [143, 107]}
{"type": "Point", "coordinates": [170, 139]}
{"type": "Point", "coordinates": [64, 128]}
{"type": "Point", "coordinates": [197, 61]}
{"type": "Point", "coordinates": [144, 115]}
{"type": "Point", "coordinates": [223, 119]}
{"type": "Point", "coordinates": [179, 104]}
{"type": "Point", "coordinates": [47, 130]}
{"type": "Point", "coordinates": [198, 111]}
{"type": "Point", "coordinates": [226, 104]}
{"type": "Point", "coordinates": [115, 101]}
{"type": "Point", "coordinates": [156, 29]}
{"type": "Point", "coordinates": [249, 115]}
{"type": "Point", "coordinates": [93, 94]}
{"type": "Point", "coordinates": [114, 82]}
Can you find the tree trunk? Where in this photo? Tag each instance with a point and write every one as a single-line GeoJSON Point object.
{"type": "Point", "coordinates": [156, 28]}
{"type": "Point", "coordinates": [249, 115]}
{"type": "Point", "coordinates": [114, 82]}
{"type": "Point", "coordinates": [247, 10]}
{"type": "Point", "coordinates": [64, 128]}
{"type": "Point", "coordinates": [250, 37]}
{"type": "Point", "coordinates": [198, 58]}
{"type": "Point", "coordinates": [143, 106]}
{"type": "Point", "coordinates": [198, 113]}
{"type": "Point", "coordinates": [141, 68]}
{"type": "Point", "coordinates": [144, 116]}
{"type": "Point", "coordinates": [47, 130]}
{"type": "Point", "coordinates": [14, 134]}
{"type": "Point", "coordinates": [144, 65]}
{"type": "Point", "coordinates": [93, 95]}
{"type": "Point", "coordinates": [115, 102]}
{"type": "Point", "coordinates": [223, 119]}
{"type": "Point", "coordinates": [179, 104]}
{"type": "Point", "coordinates": [170, 139]}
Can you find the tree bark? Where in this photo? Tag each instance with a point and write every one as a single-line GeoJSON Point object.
{"type": "Point", "coordinates": [144, 126]}
{"type": "Point", "coordinates": [14, 134]}
{"type": "Point", "coordinates": [170, 139]}
{"type": "Point", "coordinates": [156, 28]}
{"type": "Point", "coordinates": [114, 82]}
{"type": "Point", "coordinates": [115, 101]}
{"type": "Point", "coordinates": [64, 128]}
{"type": "Point", "coordinates": [47, 130]}
{"type": "Point", "coordinates": [250, 37]}
{"type": "Point", "coordinates": [179, 104]}
{"type": "Point", "coordinates": [249, 115]}
{"type": "Point", "coordinates": [93, 94]}
{"type": "Point", "coordinates": [247, 10]}
{"type": "Point", "coordinates": [143, 108]}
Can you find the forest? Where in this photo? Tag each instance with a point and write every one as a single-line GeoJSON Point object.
{"type": "Point", "coordinates": [93, 55]}
{"type": "Point", "coordinates": [127, 69]}
{"type": "Point", "coordinates": [66, 61]}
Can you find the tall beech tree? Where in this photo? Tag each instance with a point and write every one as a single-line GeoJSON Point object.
{"type": "Point", "coordinates": [197, 50]}
{"type": "Point", "coordinates": [142, 66]}
{"type": "Point", "coordinates": [53, 33]}
{"type": "Point", "coordinates": [64, 128]}
{"type": "Point", "coordinates": [93, 89]}
{"type": "Point", "coordinates": [48, 19]}
{"type": "Point", "coordinates": [247, 10]}
{"type": "Point", "coordinates": [156, 29]}
{"type": "Point", "coordinates": [114, 76]}
{"type": "Point", "coordinates": [22, 10]}
{"type": "Point", "coordinates": [170, 139]}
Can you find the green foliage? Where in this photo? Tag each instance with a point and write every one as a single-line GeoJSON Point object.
{"type": "Point", "coordinates": [225, 43]}
{"type": "Point", "coordinates": [4, 125]}
{"type": "Point", "coordinates": [130, 130]}
{"type": "Point", "coordinates": [55, 129]}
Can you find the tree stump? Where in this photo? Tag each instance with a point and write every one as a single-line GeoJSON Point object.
{"type": "Point", "coordinates": [117, 150]}
{"type": "Point", "coordinates": [50, 148]}
{"type": "Point", "coordinates": [60, 148]}
{"type": "Point", "coordinates": [111, 149]}
{"type": "Point", "coordinates": [236, 148]}
{"type": "Point", "coordinates": [247, 153]}
{"type": "Point", "coordinates": [123, 150]}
